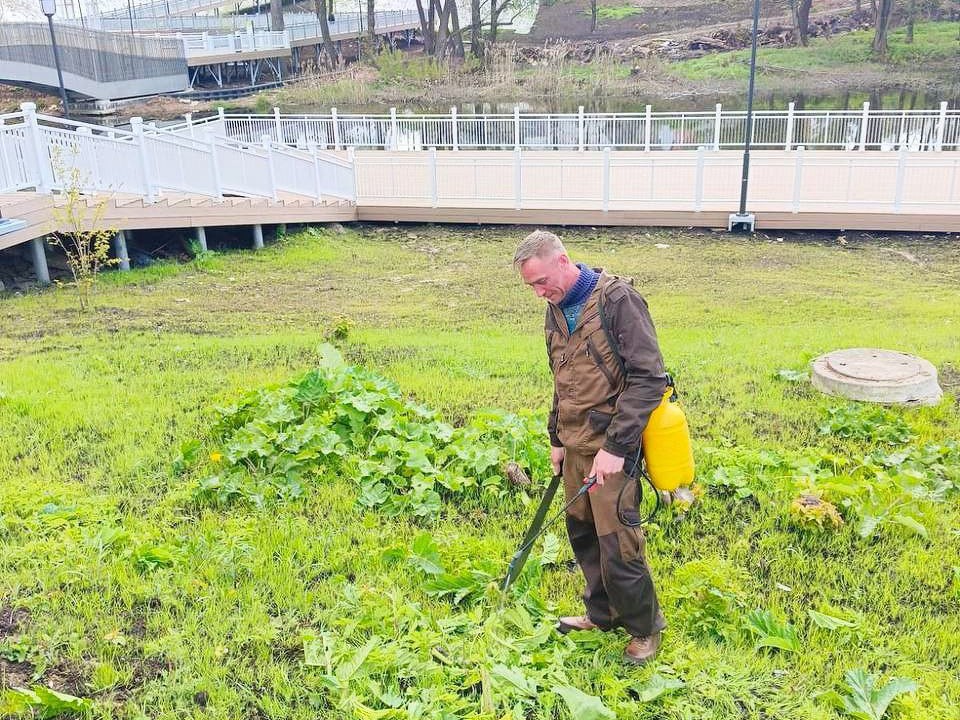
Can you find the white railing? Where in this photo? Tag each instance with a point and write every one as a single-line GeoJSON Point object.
{"type": "Point", "coordinates": [299, 26]}
{"type": "Point", "coordinates": [684, 181]}
{"type": "Point", "coordinates": [864, 129]}
{"type": "Point", "coordinates": [203, 44]}
{"type": "Point", "coordinates": [50, 154]}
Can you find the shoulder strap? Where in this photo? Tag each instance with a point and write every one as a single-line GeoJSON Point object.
{"type": "Point", "coordinates": [605, 323]}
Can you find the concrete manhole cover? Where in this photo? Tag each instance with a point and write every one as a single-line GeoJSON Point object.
{"type": "Point", "coordinates": [874, 375]}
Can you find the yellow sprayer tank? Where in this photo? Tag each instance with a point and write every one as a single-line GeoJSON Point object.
{"type": "Point", "coordinates": [667, 451]}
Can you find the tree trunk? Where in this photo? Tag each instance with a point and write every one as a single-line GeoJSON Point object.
{"type": "Point", "coordinates": [803, 21]}
{"type": "Point", "coordinates": [495, 10]}
{"type": "Point", "coordinates": [372, 23]}
{"type": "Point", "coordinates": [911, 18]}
{"type": "Point", "coordinates": [426, 27]}
{"type": "Point", "coordinates": [276, 15]}
{"type": "Point", "coordinates": [456, 36]}
{"type": "Point", "coordinates": [442, 29]}
{"type": "Point", "coordinates": [884, 10]}
{"type": "Point", "coordinates": [476, 38]}
{"type": "Point", "coordinates": [329, 49]}
{"type": "Point", "coordinates": [593, 15]}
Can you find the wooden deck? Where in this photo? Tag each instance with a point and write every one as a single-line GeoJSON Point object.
{"type": "Point", "coordinates": [43, 213]}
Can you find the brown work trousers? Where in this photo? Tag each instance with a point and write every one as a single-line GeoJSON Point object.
{"type": "Point", "coordinates": [620, 589]}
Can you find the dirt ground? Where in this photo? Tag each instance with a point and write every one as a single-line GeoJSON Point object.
{"type": "Point", "coordinates": [570, 19]}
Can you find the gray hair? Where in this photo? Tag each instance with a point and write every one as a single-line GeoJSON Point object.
{"type": "Point", "coordinates": [539, 243]}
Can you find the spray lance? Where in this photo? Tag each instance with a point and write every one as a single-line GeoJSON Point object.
{"type": "Point", "coordinates": [667, 465]}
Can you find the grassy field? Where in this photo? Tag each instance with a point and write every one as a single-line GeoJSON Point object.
{"type": "Point", "coordinates": [934, 42]}
{"type": "Point", "coordinates": [122, 582]}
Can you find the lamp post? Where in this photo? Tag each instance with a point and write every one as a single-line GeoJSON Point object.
{"type": "Point", "coordinates": [130, 15]}
{"type": "Point", "coordinates": [49, 7]}
{"type": "Point", "coordinates": [742, 219]}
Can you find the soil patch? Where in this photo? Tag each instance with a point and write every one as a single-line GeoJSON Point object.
{"type": "Point", "coordinates": [12, 620]}
{"type": "Point", "coordinates": [14, 674]}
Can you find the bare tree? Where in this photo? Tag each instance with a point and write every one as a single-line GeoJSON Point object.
{"type": "Point", "coordinates": [372, 23]}
{"type": "Point", "coordinates": [329, 49]}
{"type": "Point", "coordinates": [476, 39]}
{"type": "Point", "coordinates": [276, 15]}
{"type": "Point", "coordinates": [426, 26]}
{"type": "Point", "coordinates": [911, 19]}
{"type": "Point", "coordinates": [800, 10]}
{"type": "Point", "coordinates": [881, 25]}
{"type": "Point", "coordinates": [593, 15]}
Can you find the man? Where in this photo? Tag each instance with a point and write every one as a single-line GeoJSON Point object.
{"type": "Point", "coordinates": [608, 378]}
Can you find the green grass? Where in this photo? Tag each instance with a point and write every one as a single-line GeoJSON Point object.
{"type": "Point", "coordinates": [933, 41]}
{"type": "Point", "coordinates": [94, 412]}
{"type": "Point", "coordinates": [616, 12]}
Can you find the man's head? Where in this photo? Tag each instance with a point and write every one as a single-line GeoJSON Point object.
{"type": "Point", "coordinates": [545, 266]}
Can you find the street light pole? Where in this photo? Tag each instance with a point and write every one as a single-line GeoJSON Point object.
{"type": "Point", "coordinates": [130, 15]}
{"type": "Point", "coordinates": [742, 218]}
{"type": "Point", "coordinates": [49, 7]}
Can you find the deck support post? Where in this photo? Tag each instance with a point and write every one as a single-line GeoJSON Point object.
{"type": "Point", "coordinates": [120, 249]}
{"type": "Point", "coordinates": [39, 251]}
{"type": "Point", "coordinates": [202, 238]}
{"type": "Point", "coordinates": [258, 237]}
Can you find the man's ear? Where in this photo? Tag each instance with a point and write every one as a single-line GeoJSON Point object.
{"type": "Point", "coordinates": [563, 260]}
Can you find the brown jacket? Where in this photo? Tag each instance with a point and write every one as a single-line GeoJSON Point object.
{"type": "Point", "coordinates": [602, 398]}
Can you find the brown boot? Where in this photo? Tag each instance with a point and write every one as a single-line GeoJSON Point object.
{"type": "Point", "coordinates": [642, 649]}
{"type": "Point", "coordinates": [569, 624]}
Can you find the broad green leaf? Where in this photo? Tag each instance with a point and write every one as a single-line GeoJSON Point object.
{"type": "Point", "coordinates": [911, 524]}
{"type": "Point", "coordinates": [515, 678]}
{"type": "Point", "coordinates": [348, 669]}
{"type": "Point", "coordinates": [318, 650]}
{"type": "Point", "coordinates": [424, 554]}
{"type": "Point", "coordinates": [866, 701]}
{"type": "Point", "coordinates": [552, 545]}
{"type": "Point", "coordinates": [329, 358]}
{"type": "Point", "coordinates": [51, 703]}
{"type": "Point", "coordinates": [868, 523]}
{"type": "Point", "coordinates": [828, 622]}
{"type": "Point", "coordinates": [770, 632]}
{"type": "Point", "coordinates": [656, 686]}
{"type": "Point", "coordinates": [583, 706]}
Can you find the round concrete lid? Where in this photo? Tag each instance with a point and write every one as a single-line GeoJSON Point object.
{"type": "Point", "coordinates": [876, 375]}
{"type": "Point", "coordinates": [877, 365]}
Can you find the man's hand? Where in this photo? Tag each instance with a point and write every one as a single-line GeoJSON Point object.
{"type": "Point", "coordinates": [556, 459]}
{"type": "Point", "coordinates": [604, 464]}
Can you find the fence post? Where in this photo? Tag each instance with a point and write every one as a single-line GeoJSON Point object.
{"type": "Point", "coordinates": [4, 156]}
{"type": "Point", "coordinates": [716, 127]}
{"type": "Point", "coordinates": [276, 122]}
{"type": "Point", "coordinates": [312, 147]}
{"type": "Point", "coordinates": [136, 124]}
{"type": "Point", "coordinates": [864, 118]}
{"type": "Point", "coordinates": [606, 179]}
{"type": "Point", "coordinates": [797, 178]}
{"type": "Point", "coordinates": [517, 178]}
{"type": "Point", "coordinates": [189, 118]}
{"type": "Point", "coordinates": [941, 127]}
{"type": "Point", "coordinates": [580, 129]}
{"type": "Point", "coordinates": [698, 190]}
{"type": "Point", "coordinates": [394, 128]}
{"type": "Point", "coordinates": [351, 158]}
{"type": "Point", "coordinates": [215, 169]}
{"type": "Point", "coordinates": [433, 177]}
{"type": "Point", "coordinates": [265, 141]}
{"type": "Point", "coordinates": [789, 142]}
{"type": "Point", "coordinates": [516, 127]}
{"type": "Point", "coordinates": [901, 171]}
{"type": "Point", "coordinates": [646, 131]}
{"type": "Point", "coordinates": [336, 128]}
{"type": "Point", "coordinates": [453, 125]}
{"type": "Point", "coordinates": [40, 158]}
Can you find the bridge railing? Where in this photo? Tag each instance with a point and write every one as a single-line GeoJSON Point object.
{"type": "Point", "coordinates": [53, 154]}
{"type": "Point", "coordinates": [864, 129]}
{"type": "Point", "coordinates": [201, 44]}
{"type": "Point", "coordinates": [99, 56]}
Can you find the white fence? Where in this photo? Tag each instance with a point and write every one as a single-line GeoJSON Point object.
{"type": "Point", "coordinates": [864, 129]}
{"type": "Point", "coordinates": [48, 154]}
{"type": "Point", "coordinates": [697, 181]}
{"type": "Point", "coordinates": [203, 44]}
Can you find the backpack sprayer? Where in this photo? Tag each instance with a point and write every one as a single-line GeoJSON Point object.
{"type": "Point", "coordinates": [667, 464]}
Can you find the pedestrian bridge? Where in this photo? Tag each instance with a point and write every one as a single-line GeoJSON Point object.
{"type": "Point", "coordinates": [892, 171]}
{"type": "Point", "coordinates": [104, 59]}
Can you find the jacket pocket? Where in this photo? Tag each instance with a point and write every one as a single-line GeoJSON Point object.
{"type": "Point", "coordinates": [599, 421]}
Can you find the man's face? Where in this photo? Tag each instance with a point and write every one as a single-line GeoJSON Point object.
{"type": "Point", "coordinates": [547, 276]}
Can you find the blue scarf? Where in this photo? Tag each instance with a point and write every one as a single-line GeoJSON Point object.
{"type": "Point", "coordinates": [573, 302]}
